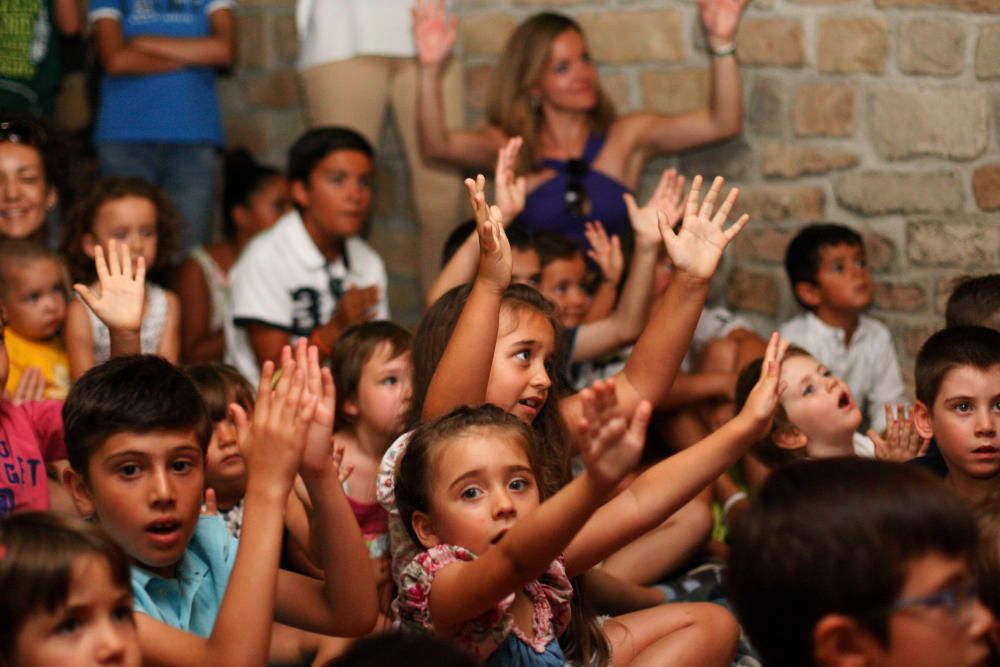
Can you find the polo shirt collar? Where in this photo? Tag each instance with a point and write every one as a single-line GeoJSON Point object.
{"type": "Point", "coordinates": [305, 248]}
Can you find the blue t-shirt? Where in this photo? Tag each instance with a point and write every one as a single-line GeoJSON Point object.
{"type": "Point", "coordinates": [191, 600]}
{"type": "Point", "coordinates": [180, 106]}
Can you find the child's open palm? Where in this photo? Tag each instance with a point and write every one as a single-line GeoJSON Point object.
{"type": "Point", "coordinates": [667, 198]}
{"type": "Point", "coordinates": [763, 400]}
{"type": "Point", "coordinates": [121, 299]}
{"type": "Point", "coordinates": [606, 251]}
{"type": "Point", "coordinates": [495, 261]}
{"type": "Point", "coordinates": [509, 188]}
{"type": "Point", "coordinates": [434, 32]}
{"type": "Point", "coordinates": [610, 446]}
{"type": "Point", "coordinates": [901, 442]}
{"type": "Point", "coordinates": [318, 453]}
{"type": "Point", "coordinates": [698, 247]}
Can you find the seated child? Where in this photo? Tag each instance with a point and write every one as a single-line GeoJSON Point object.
{"type": "Point", "coordinates": [253, 199]}
{"type": "Point", "coordinates": [137, 432]}
{"type": "Point", "coordinates": [221, 385]}
{"type": "Point", "coordinates": [830, 278]}
{"type": "Point", "coordinates": [975, 302]}
{"type": "Point", "coordinates": [66, 594]}
{"type": "Point", "coordinates": [32, 441]}
{"type": "Point", "coordinates": [374, 376]}
{"type": "Point", "coordinates": [861, 563]}
{"type": "Point", "coordinates": [958, 404]}
{"type": "Point", "coordinates": [142, 220]}
{"type": "Point", "coordinates": [33, 292]}
{"type": "Point", "coordinates": [818, 418]}
{"type": "Point", "coordinates": [311, 275]}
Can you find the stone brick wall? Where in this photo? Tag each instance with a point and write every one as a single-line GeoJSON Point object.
{"type": "Point", "coordinates": [879, 113]}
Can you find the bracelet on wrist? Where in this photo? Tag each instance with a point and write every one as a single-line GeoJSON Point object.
{"type": "Point", "coordinates": [314, 339]}
{"type": "Point", "coordinates": [722, 51]}
{"type": "Point", "coordinates": [730, 502]}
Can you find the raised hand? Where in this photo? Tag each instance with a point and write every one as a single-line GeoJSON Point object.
{"type": "Point", "coordinates": [610, 446]}
{"type": "Point", "coordinates": [720, 18]}
{"type": "Point", "coordinates": [434, 31]}
{"type": "Point", "coordinates": [122, 293]}
{"type": "Point", "coordinates": [356, 305]}
{"type": "Point", "coordinates": [901, 441]}
{"type": "Point", "coordinates": [318, 453]}
{"type": "Point", "coordinates": [30, 387]}
{"type": "Point", "coordinates": [605, 251]}
{"type": "Point", "coordinates": [495, 261]}
{"type": "Point", "coordinates": [667, 198]}
{"type": "Point", "coordinates": [343, 471]}
{"type": "Point", "coordinates": [510, 189]}
{"type": "Point", "coordinates": [762, 403]}
{"type": "Point", "coordinates": [697, 249]}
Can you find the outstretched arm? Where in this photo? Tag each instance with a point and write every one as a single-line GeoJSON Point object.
{"type": "Point", "coordinates": [434, 33]}
{"type": "Point", "coordinates": [695, 251]}
{"type": "Point", "coordinates": [463, 373]}
{"type": "Point", "coordinates": [672, 483]}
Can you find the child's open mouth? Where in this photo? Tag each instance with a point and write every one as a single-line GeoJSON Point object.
{"type": "Point", "coordinates": [499, 536]}
{"type": "Point", "coordinates": [533, 403]}
{"type": "Point", "coordinates": [844, 401]}
{"type": "Point", "coordinates": [164, 530]}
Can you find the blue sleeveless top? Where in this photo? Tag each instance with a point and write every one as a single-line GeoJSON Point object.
{"type": "Point", "coordinates": [546, 208]}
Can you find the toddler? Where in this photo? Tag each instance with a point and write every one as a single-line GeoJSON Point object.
{"type": "Point", "coordinates": [830, 278]}
{"type": "Point", "coordinates": [141, 219]}
{"type": "Point", "coordinates": [66, 597]}
{"type": "Point", "coordinates": [33, 291]}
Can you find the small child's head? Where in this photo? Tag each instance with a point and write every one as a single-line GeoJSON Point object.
{"type": "Point", "coordinates": [467, 477]}
{"type": "Point", "coordinates": [527, 376]}
{"type": "Point", "coordinates": [136, 431]}
{"type": "Point", "coordinates": [221, 385]}
{"type": "Point", "coordinates": [129, 210]}
{"type": "Point", "coordinates": [33, 289]}
{"type": "Point", "coordinates": [975, 302]}
{"type": "Point", "coordinates": [67, 594]}
{"type": "Point", "coordinates": [254, 196]}
{"type": "Point", "coordinates": [564, 279]}
{"type": "Point", "coordinates": [330, 170]}
{"type": "Point", "coordinates": [373, 370]}
{"type": "Point", "coordinates": [526, 268]}
{"type": "Point", "coordinates": [816, 416]}
{"type": "Point", "coordinates": [857, 562]}
{"type": "Point", "coordinates": [958, 399]}
{"type": "Point", "coordinates": [828, 271]}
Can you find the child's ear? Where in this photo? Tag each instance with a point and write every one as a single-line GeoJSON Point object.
{"type": "Point", "coordinates": [300, 194]}
{"type": "Point", "coordinates": [89, 243]}
{"type": "Point", "coordinates": [78, 489]}
{"type": "Point", "coordinates": [51, 198]}
{"type": "Point", "coordinates": [424, 529]}
{"type": "Point", "coordinates": [922, 420]}
{"type": "Point", "coordinates": [789, 437]}
{"type": "Point", "coordinates": [838, 641]}
{"type": "Point", "coordinates": [351, 407]}
{"type": "Point", "coordinates": [808, 294]}
{"type": "Point", "coordinates": [240, 215]}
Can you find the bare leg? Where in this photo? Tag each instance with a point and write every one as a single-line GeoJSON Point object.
{"type": "Point", "coordinates": [679, 635]}
{"type": "Point", "coordinates": [611, 595]}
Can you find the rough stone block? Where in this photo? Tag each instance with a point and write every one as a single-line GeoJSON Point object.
{"type": "Point", "coordinates": [985, 6]}
{"type": "Point", "coordinates": [879, 251]}
{"type": "Point", "coordinates": [988, 52]}
{"type": "Point", "coordinates": [252, 132]}
{"type": "Point", "coordinates": [618, 86]}
{"type": "Point", "coordinates": [967, 240]}
{"type": "Point", "coordinates": [986, 186]}
{"type": "Point", "coordinates": [733, 160]}
{"type": "Point", "coordinates": [792, 160]}
{"type": "Point", "coordinates": [932, 46]}
{"type": "Point", "coordinates": [274, 89]}
{"type": "Point", "coordinates": [286, 38]}
{"type": "Point", "coordinates": [771, 42]}
{"type": "Point", "coordinates": [253, 50]}
{"type": "Point", "coordinates": [754, 291]}
{"type": "Point", "coordinates": [639, 36]}
{"type": "Point", "coordinates": [914, 338]}
{"type": "Point", "coordinates": [766, 108]}
{"type": "Point", "coordinates": [852, 44]}
{"type": "Point", "coordinates": [778, 202]}
{"type": "Point", "coordinates": [764, 244]}
{"type": "Point", "coordinates": [949, 122]}
{"type": "Point", "coordinates": [485, 34]}
{"type": "Point", "coordinates": [675, 91]}
{"type": "Point", "coordinates": [901, 297]}
{"type": "Point", "coordinates": [824, 109]}
{"type": "Point", "coordinates": [943, 288]}
{"type": "Point", "coordinates": [878, 193]}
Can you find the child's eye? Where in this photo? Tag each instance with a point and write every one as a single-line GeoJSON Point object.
{"type": "Point", "coordinates": [996, 404]}
{"type": "Point", "coordinates": [861, 263]}
{"type": "Point", "coordinates": [337, 178]}
{"type": "Point", "coordinates": [561, 67]}
{"type": "Point", "coordinates": [963, 406]}
{"type": "Point", "coordinates": [523, 355]}
{"type": "Point", "coordinates": [181, 466]}
{"type": "Point", "coordinates": [67, 626]}
{"type": "Point", "coordinates": [827, 373]}
{"type": "Point", "coordinates": [123, 613]}
{"type": "Point", "coordinates": [471, 493]}
{"type": "Point", "coordinates": [838, 267]}
{"type": "Point", "coordinates": [519, 484]}
{"type": "Point", "coordinates": [149, 233]}
{"type": "Point", "coordinates": [585, 58]}
{"type": "Point", "coordinates": [390, 380]}
{"type": "Point", "coordinates": [807, 390]}
{"type": "Point", "coordinates": [128, 470]}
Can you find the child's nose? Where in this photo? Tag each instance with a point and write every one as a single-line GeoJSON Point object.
{"type": "Point", "coordinates": [986, 422]}
{"type": "Point", "coordinates": [503, 505]}
{"type": "Point", "coordinates": [110, 648]}
{"type": "Point", "coordinates": [161, 490]}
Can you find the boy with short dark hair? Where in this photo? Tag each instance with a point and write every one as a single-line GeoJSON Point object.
{"type": "Point", "coordinates": [311, 275]}
{"type": "Point", "coordinates": [958, 404]}
{"type": "Point", "coordinates": [830, 278]}
{"type": "Point", "coordinates": [860, 563]}
{"type": "Point", "coordinates": [975, 302]}
{"type": "Point", "coordinates": [137, 430]}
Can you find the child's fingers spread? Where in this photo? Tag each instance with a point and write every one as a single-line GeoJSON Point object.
{"type": "Point", "coordinates": [694, 196]}
{"type": "Point", "coordinates": [640, 419]}
{"type": "Point", "coordinates": [126, 262]}
{"type": "Point", "coordinates": [241, 422]}
{"type": "Point", "coordinates": [727, 206]}
{"type": "Point", "coordinates": [708, 205]}
{"type": "Point", "coordinates": [737, 227]}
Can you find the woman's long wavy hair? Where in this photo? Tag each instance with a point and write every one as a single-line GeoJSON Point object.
{"type": "Point", "coordinates": [524, 59]}
{"type": "Point", "coordinates": [584, 641]}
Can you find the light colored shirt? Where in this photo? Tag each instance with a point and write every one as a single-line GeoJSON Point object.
{"type": "Point", "coordinates": [331, 30]}
{"type": "Point", "coordinates": [191, 600]}
{"type": "Point", "coordinates": [868, 364]}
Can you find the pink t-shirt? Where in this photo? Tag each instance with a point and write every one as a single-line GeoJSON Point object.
{"type": "Point", "coordinates": [31, 434]}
